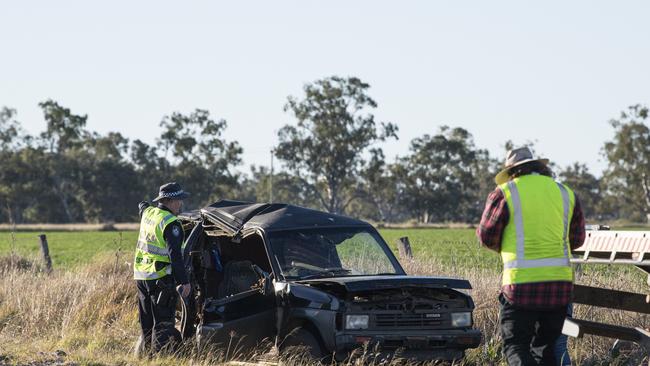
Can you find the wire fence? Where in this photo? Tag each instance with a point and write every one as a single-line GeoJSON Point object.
{"type": "Point", "coordinates": [21, 240]}
{"type": "Point", "coordinates": [125, 226]}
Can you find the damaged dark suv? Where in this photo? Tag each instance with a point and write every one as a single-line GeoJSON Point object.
{"type": "Point", "coordinates": [300, 277]}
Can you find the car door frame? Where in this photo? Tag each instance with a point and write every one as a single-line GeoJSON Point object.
{"type": "Point", "coordinates": [248, 318]}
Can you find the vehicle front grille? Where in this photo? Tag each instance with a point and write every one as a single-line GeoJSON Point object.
{"type": "Point", "coordinates": [391, 344]}
{"type": "Point", "coordinates": [406, 320]}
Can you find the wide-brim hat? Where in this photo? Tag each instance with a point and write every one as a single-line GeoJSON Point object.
{"type": "Point", "coordinates": [171, 190]}
{"type": "Point", "coordinates": [516, 157]}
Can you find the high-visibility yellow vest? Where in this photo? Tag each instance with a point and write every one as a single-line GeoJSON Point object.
{"type": "Point", "coordinates": [151, 247]}
{"type": "Point", "coordinates": [535, 243]}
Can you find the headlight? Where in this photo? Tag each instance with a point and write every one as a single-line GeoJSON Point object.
{"type": "Point", "coordinates": [356, 322]}
{"type": "Point", "coordinates": [461, 319]}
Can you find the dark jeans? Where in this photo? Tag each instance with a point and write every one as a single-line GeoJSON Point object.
{"type": "Point", "coordinates": [561, 353]}
{"type": "Point", "coordinates": [157, 306]}
{"type": "Point", "coordinates": [529, 335]}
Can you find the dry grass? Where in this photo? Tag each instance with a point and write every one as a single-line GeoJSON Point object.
{"type": "Point", "coordinates": [90, 313]}
{"type": "Point", "coordinates": [585, 351]}
{"type": "Point", "coordinates": [86, 312]}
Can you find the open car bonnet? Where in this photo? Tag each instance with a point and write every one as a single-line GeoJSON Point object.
{"type": "Point", "coordinates": [369, 283]}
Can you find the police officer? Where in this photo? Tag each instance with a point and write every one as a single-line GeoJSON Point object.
{"type": "Point", "coordinates": [158, 267]}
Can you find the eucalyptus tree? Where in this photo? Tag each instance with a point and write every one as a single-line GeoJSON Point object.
{"type": "Point", "coordinates": [586, 186]}
{"type": "Point", "coordinates": [334, 129]}
{"type": "Point", "coordinates": [441, 176]}
{"type": "Point", "coordinates": [628, 155]}
{"type": "Point", "coordinates": [199, 156]}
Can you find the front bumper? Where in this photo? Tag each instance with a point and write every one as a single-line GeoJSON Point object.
{"type": "Point", "coordinates": [445, 344]}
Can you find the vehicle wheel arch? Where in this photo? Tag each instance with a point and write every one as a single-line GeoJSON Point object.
{"type": "Point", "coordinates": [306, 324]}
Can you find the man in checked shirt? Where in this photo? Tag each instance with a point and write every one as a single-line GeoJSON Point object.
{"type": "Point", "coordinates": [534, 222]}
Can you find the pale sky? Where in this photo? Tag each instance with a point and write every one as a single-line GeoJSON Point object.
{"type": "Point", "coordinates": [552, 71]}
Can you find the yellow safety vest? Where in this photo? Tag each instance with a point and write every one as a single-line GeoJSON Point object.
{"type": "Point", "coordinates": [151, 247]}
{"type": "Point", "coordinates": [534, 247]}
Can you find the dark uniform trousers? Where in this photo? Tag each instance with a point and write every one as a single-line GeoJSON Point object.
{"type": "Point", "coordinates": [157, 306]}
{"type": "Point", "coordinates": [529, 335]}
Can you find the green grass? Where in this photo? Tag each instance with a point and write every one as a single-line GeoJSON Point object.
{"type": "Point", "coordinates": [452, 248]}
{"type": "Point", "coordinates": [69, 249]}
{"type": "Point", "coordinates": [455, 248]}
{"type": "Point", "coordinates": [459, 249]}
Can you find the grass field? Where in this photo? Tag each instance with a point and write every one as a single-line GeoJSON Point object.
{"type": "Point", "coordinates": [69, 249]}
{"type": "Point", "coordinates": [87, 306]}
{"type": "Point", "coordinates": [451, 249]}
{"type": "Point", "coordinates": [457, 247]}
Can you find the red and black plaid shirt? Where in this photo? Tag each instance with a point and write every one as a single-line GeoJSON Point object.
{"type": "Point", "coordinates": [533, 295]}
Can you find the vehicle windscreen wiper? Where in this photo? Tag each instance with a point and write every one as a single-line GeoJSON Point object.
{"type": "Point", "coordinates": [327, 272]}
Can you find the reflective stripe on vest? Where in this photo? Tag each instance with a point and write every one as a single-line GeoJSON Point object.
{"type": "Point", "coordinates": [153, 275]}
{"type": "Point", "coordinates": [535, 240]}
{"type": "Point", "coordinates": [151, 247]}
{"type": "Point", "coordinates": [164, 222]}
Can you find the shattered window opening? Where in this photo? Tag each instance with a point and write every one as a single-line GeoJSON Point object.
{"type": "Point", "coordinates": [331, 252]}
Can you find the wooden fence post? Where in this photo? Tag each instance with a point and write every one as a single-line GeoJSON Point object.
{"type": "Point", "coordinates": [404, 248]}
{"type": "Point", "coordinates": [118, 252]}
{"type": "Point", "coordinates": [46, 252]}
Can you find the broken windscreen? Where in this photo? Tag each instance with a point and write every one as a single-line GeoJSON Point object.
{"type": "Point", "coordinates": [331, 252]}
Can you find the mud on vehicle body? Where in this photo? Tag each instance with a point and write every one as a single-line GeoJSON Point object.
{"type": "Point", "coordinates": [295, 276]}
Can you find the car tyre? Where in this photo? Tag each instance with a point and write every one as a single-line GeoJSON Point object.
{"type": "Point", "coordinates": [302, 343]}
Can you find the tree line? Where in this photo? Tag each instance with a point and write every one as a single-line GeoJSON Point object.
{"type": "Point", "coordinates": [331, 159]}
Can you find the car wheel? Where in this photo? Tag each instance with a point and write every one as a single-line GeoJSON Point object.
{"type": "Point", "coordinates": [302, 345]}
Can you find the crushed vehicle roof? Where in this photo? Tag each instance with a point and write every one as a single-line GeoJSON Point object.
{"type": "Point", "coordinates": [231, 217]}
